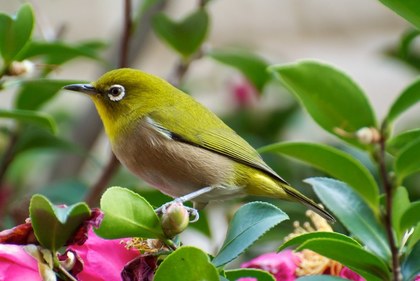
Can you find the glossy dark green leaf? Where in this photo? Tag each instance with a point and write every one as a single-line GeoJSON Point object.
{"type": "Point", "coordinates": [396, 144]}
{"type": "Point", "coordinates": [320, 278]}
{"type": "Point", "coordinates": [252, 66]}
{"type": "Point", "coordinates": [185, 36]}
{"type": "Point", "coordinates": [186, 264]}
{"type": "Point", "coordinates": [408, 9]}
{"type": "Point", "coordinates": [260, 275]}
{"type": "Point", "coordinates": [408, 98]}
{"type": "Point", "coordinates": [400, 203]}
{"type": "Point", "coordinates": [411, 216]}
{"type": "Point", "coordinates": [329, 96]}
{"type": "Point", "coordinates": [53, 226]}
{"type": "Point", "coordinates": [314, 235]}
{"type": "Point", "coordinates": [15, 32]}
{"type": "Point", "coordinates": [37, 118]}
{"type": "Point", "coordinates": [249, 223]}
{"type": "Point", "coordinates": [353, 213]}
{"type": "Point", "coordinates": [33, 94]}
{"type": "Point", "coordinates": [127, 214]}
{"type": "Point", "coordinates": [334, 162]}
{"type": "Point", "coordinates": [407, 161]}
{"type": "Point", "coordinates": [57, 53]}
{"type": "Point", "coordinates": [368, 265]}
{"type": "Point", "coordinates": [411, 265]}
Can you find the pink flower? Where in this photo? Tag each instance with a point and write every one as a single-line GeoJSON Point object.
{"type": "Point", "coordinates": [244, 93]}
{"type": "Point", "coordinates": [350, 274]}
{"type": "Point", "coordinates": [282, 265]}
{"type": "Point", "coordinates": [16, 264]}
{"type": "Point", "coordinates": [103, 259]}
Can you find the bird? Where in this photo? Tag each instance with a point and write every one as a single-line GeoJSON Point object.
{"type": "Point", "coordinates": [177, 145]}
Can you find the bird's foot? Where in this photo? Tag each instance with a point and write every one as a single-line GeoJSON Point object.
{"type": "Point", "coordinates": [193, 213]}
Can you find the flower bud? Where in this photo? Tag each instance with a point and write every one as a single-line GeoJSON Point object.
{"type": "Point", "coordinates": [368, 135]}
{"type": "Point", "coordinates": [175, 219]}
{"type": "Point", "coordinates": [18, 68]}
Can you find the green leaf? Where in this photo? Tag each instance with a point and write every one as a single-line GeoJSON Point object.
{"type": "Point", "coordinates": [407, 42]}
{"type": "Point", "coordinates": [353, 213]}
{"type": "Point", "coordinates": [334, 162]}
{"type": "Point", "coordinates": [414, 238]}
{"type": "Point", "coordinates": [186, 264]}
{"type": "Point", "coordinates": [400, 204]}
{"type": "Point", "coordinates": [354, 257]}
{"type": "Point", "coordinates": [408, 9]}
{"type": "Point", "coordinates": [411, 265]}
{"type": "Point", "coordinates": [249, 223]}
{"type": "Point", "coordinates": [401, 141]}
{"type": "Point", "coordinates": [260, 275]}
{"type": "Point", "coordinates": [15, 32]}
{"type": "Point", "coordinates": [329, 96]}
{"type": "Point", "coordinates": [411, 216]}
{"type": "Point", "coordinates": [407, 162]}
{"type": "Point", "coordinates": [37, 118]}
{"type": "Point", "coordinates": [408, 98]}
{"type": "Point", "coordinates": [34, 94]}
{"type": "Point", "coordinates": [57, 53]}
{"type": "Point", "coordinates": [320, 278]}
{"type": "Point", "coordinates": [54, 226]}
{"type": "Point", "coordinates": [314, 235]}
{"type": "Point", "coordinates": [127, 214]}
{"type": "Point", "coordinates": [252, 66]}
{"type": "Point", "coordinates": [185, 36]}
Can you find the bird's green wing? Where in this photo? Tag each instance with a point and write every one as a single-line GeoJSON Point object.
{"type": "Point", "coordinates": [199, 127]}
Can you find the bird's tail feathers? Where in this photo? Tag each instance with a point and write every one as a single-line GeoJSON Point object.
{"type": "Point", "coordinates": [309, 203]}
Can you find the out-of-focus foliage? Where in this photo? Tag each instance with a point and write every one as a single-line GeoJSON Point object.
{"type": "Point", "coordinates": [379, 217]}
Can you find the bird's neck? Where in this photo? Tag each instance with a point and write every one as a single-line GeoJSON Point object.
{"type": "Point", "coordinates": [114, 125]}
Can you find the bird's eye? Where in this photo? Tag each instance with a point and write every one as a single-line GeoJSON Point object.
{"type": "Point", "coordinates": [116, 92]}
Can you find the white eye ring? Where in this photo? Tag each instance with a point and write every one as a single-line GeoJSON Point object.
{"type": "Point", "coordinates": [116, 92]}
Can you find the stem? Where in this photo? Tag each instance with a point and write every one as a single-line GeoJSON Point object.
{"type": "Point", "coordinates": [94, 195]}
{"type": "Point", "coordinates": [66, 274]}
{"type": "Point", "coordinates": [8, 156]}
{"type": "Point", "coordinates": [181, 68]}
{"type": "Point", "coordinates": [389, 190]}
{"type": "Point", "coordinates": [125, 41]}
{"type": "Point", "coordinates": [92, 199]}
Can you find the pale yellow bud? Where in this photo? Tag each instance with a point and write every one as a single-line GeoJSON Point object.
{"type": "Point", "coordinates": [368, 135]}
{"type": "Point", "coordinates": [175, 219]}
{"type": "Point", "coordinates": [19, 68]}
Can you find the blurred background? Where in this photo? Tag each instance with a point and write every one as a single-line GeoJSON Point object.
{"type": "Point", "coordinates": [362, 38]}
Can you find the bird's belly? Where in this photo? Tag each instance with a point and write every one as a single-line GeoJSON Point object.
{"type": "Point", "coordinates": [177, 168]}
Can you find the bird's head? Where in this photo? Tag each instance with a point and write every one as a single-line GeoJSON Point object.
{"type": "Point", "coordinates": [124, 95]}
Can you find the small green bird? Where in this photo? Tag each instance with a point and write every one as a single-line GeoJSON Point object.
{"type": "Point", "coordinates": [177, 145]}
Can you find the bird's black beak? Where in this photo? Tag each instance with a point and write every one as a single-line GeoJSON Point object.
{"type": "Point", "coordinates": [83, 88]}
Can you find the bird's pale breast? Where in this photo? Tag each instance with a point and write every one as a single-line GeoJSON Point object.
{"type": "Point", "coordinates": [173, 167]}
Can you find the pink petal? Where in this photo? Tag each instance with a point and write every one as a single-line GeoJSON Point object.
{"type": "Point", "coordinates": [103, 259]}
{"type": "Point", "coordinates": [350, 274]}
{"type": "Point", "coordinates": [16, 264]}
{"type": "Point", "coordinates": [282, 265]}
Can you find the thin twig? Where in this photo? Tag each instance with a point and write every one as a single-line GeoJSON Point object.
{"type": "Point", "coordinates": [95, 193]}
{"type": "Point", "coordinates": [389, 190]}
{"type": "Point", "coordinates": [113, 164]}
{"type": "Point", "coordinates": [8, 156]}
{"type": "Point", "coordinates": [127, 31]}
{"type": "Point", "coordinates": [182, 66]}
